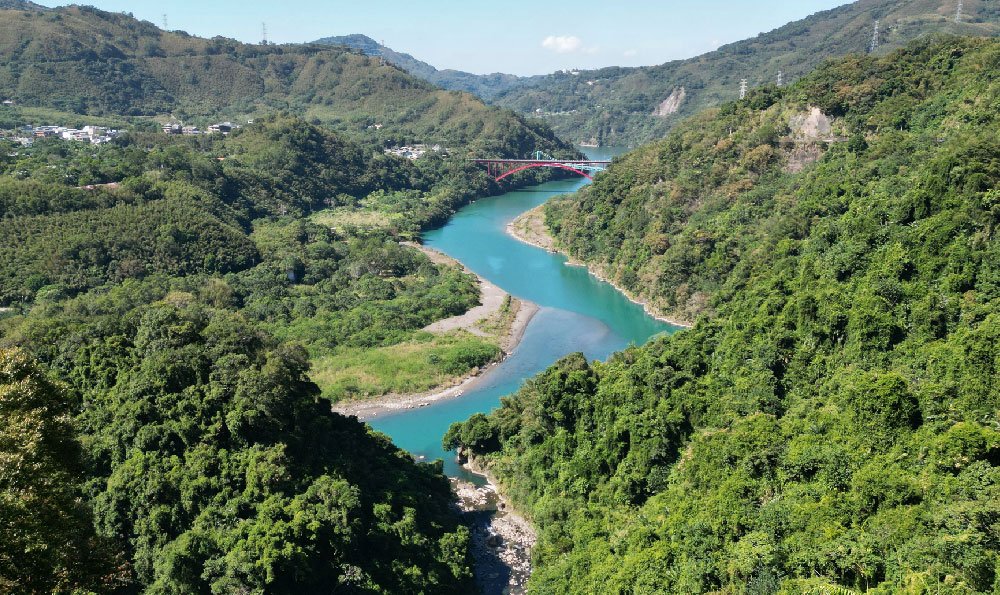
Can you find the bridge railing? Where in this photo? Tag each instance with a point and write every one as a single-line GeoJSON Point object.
{"type": "Point", "coordinates": [501, 168]}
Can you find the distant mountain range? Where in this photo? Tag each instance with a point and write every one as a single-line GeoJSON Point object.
{"type": "Point", "coordinates": [82, 60]}
{"type": "Point", "coordinates": [486, 86]}
{"type": "Point", "coordinates": [631, 106]}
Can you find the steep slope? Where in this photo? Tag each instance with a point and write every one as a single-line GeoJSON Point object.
{"type": "Point", "coordinates": [83, 60]}
{"type": "Point", "coordinates": [625, 106]}
{"type": "Point", "coordinates": [834, 424]}
{"type": "Point", "coordinates": [482, 85]}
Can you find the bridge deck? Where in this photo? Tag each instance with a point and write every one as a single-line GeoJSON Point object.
{"type": "Point", "coordinates": [586, 161]}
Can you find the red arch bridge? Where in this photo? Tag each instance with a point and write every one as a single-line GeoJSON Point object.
{"type": "Point", "coordinates": [501, 168]}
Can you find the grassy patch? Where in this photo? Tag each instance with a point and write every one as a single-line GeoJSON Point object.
{"type": "Point", "coordinates": [499, 322]}
{"type": "Point", "coordinates": [424, 362]}
{"type": "Point", "coordinates": [342, 217]}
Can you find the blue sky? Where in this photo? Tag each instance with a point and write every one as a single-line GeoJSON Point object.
{"type": "Point", "coordinates": [516, 36]}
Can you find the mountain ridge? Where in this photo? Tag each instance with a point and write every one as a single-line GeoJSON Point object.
{"type": "Point", "coordinates": [485, 86]}
{"type": "Point", "coordinates": [82, 60]}
{"type": "Point", "coordinates": [619, 105]}
{"type": "Point", "coordinates": [616, 105]}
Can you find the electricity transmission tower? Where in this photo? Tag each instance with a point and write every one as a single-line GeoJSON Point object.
{"type": "Point", "coordinates": [874, 45]}
{"type": "Point", "coordinates": [743, 88]}
{"type": "Point", "coordinates": [780, 81]}
{"type": "Point", "coordinates": [263, 33]}
{"type": "Point", "coordinates": [958, 12]}
{"type": "Point", "coordinates": [164, 21]}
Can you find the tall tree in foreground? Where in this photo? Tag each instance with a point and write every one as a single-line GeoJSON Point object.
{"type": "Point", "coordinates": [47, 540]}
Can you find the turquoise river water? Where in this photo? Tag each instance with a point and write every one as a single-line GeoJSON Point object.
{"type": "Point", "coordinates": [578, 313]}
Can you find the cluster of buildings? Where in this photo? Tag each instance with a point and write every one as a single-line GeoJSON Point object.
{"type": "Point", "coordinates": [415, 152]}
{"type": "Point", "coordinates": [223, 128]}
{"type": "Point", "coordinates": [94, 135]}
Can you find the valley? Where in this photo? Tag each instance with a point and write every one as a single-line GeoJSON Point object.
{"type": "Point", "coordinates": [274, 320]}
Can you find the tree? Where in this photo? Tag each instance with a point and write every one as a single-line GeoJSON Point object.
{"type": "Point", "coordinates": [47, 540]}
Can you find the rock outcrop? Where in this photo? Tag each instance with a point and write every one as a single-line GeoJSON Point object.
{"type": "Point", "coordinates": [671, 104]}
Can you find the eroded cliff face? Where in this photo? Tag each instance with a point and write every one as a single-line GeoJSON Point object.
{"type": "Point", "coordinates": [671, 104]}
{"type": "Point", "coordinates": [811, 126]}
{"type": "Point", "coordinates": [809, 134]}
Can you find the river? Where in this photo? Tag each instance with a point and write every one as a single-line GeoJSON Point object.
{"type": "Point", "coordinates": [578, 313]}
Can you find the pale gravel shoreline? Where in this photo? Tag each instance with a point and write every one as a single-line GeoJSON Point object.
{"type": "Point", "coordinates": [529, 219]}
{"type": "Point", "coordinates": [491, 298]}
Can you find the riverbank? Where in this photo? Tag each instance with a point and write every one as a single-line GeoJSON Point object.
{"type": "Point", "coordinates": [491, 309]}
{"type": "Point", "coordinates": [502, 538]}
{"type": "Point", "coordinates": [529, 227]}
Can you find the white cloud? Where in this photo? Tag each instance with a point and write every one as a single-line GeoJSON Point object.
{"type": "Point", "coordinates": [630, 53]}
{"type": "Point", "coordinates": [562, 44]}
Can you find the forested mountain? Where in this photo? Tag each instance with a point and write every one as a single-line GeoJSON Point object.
{"type": "Point", "coordinates": [830, 423]}
{"type": "Point", "coordinates": [83, 60]}
{"type": "Point", "coordinates": [631, 106]}
{"type": "Point", "coordinates": [482, 85]}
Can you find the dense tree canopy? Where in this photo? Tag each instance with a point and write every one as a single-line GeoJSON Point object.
{"type": "Point", "coordinates": [181, 308]}
{"type": "Point", "coordinates": [47, 539]}
{"type": "Point", "coordinates": [831, 420]}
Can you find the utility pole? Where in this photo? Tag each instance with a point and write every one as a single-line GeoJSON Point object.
{"type": "Point", "coordinates": [743, 89]}
{"type": "Point", "coordinates": [779, 78]}
{"type": "Point", "coordinates": [381, 53]}
{"type": "Point", "coordinates": [874, 45]}
{"type": "Point", "coordinates": [263, 33]}
{"type": "Point", "coordinates": [958, 12]}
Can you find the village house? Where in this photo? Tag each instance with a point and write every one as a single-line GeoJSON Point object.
{"type": "Point", "coordinates": [224, 127]}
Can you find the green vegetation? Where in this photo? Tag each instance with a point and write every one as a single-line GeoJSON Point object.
{"type": "Point", "coordinates": [422, 363]}
{"type": "Point", "coordinates": [48, 541]}
{"type": "Point", "coordinates": [170, 438]}
{"type": "Point", "coordinates": [832, 420]}
{"type": "Point", "coordinates": [179, 309]}
{"type": "Point", "coordinates": [214, 465]}
{"type": "Point", "coordinates": [82, 60]}
{"type": "Point", "coordinates": [615, 106]}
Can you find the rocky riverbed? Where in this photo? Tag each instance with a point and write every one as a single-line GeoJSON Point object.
{"type": "Point", "coordinates": [501, 539]}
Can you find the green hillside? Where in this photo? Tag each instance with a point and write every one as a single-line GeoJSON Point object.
{"type": "Point", "coordinates": [86, 61]}
{"type": "Point", "coordinates": [615, 106]}
{"type": "Point", "coordinates": [830, 424]}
